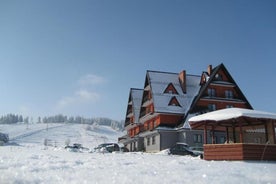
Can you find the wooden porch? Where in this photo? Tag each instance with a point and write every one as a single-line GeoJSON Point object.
{"type": "Point", "coordinates": [239, 151]}
{"type": "Point", "coordinates": [236, 123]}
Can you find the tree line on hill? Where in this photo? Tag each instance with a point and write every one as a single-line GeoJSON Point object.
{"type": "Point", "coordinates": [14, 118]}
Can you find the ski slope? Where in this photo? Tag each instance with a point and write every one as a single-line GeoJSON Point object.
{"type": "Point", "coordinates": [27, 160]}
{"type": "Point", "coordinates": [59, 134]}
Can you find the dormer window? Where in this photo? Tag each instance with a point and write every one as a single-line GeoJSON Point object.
{"type": "Point", "coordinates": [170, 89]}
{"type": "Point", "coordinates": [218, 77]}
{"type": "Point", "coordinates": [174, 102]}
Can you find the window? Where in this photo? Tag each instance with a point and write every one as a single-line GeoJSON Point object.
{"type": "Point", "coordinates": [257, 140]}
{"type": "Point", "coordinates": [216, 140]}
{"type": "Point", "coordinates": [131, 146]}
{"type": "Point", "coordinates": [212, 107]}
{"type": "Point", "coordinates": [197, 138]}
{"type": "Point", "coordinates": [155, 123]}
{"type": "Point", "coordinates": [222, 140]}
{"type": "Point", "coordinates": [136, 146]}
{"type": "Point", "coordinates": [218, 76]}
{"type": "Point", "coordinates": [153, 140]}
{"type": "Point", "coordinates": [229, 106]}
{"type": "Point", "coordinates": [184, 135]}
{"type": "Point", "coordinates": [229, 94]}
{"type": "Point", "coordinates": [211, 92]}
{"type": "Point", "coordinates": [148, 141]}
{"type": "Point", "coordinates": [174, 102]}
{"type": "Point", "coordinates": [147, 126]}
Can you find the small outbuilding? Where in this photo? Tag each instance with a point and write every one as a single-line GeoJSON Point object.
{"type": "Point", "coordinates": [250, 134]}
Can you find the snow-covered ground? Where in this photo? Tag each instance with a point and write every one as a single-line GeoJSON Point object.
{"type": "Point", "coordinates": [27, 160]}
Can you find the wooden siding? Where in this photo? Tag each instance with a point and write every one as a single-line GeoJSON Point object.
{"type": "Point", "coordinates": [170, 119]}
{"type": "Point", "coordinates": [239, 151]}
{"type": "Point", "coordinates": [162, 119]}
{"type": "Point", "coordinates": [135, 130]}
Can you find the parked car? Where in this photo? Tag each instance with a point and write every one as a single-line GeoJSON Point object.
{"type": "Point", "coordinates": [181, 149]}
{"type": "Point", "coordinates": [124, 149]}
{"type": "Point", "coordinates": [107, 147]}
{"type": "Point", "coordinates": [198, 151]}
{"type": "Point", "coordinates": [4, 137]}
{"type": "Point", "coordinates": [76, 148]}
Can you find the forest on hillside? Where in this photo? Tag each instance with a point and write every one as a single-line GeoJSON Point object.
{"type": "Point", "coordinates": [15, 118]}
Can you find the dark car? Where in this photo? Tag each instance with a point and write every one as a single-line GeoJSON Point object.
{"type": "Point", "coordinates": [198, 151]}
{"type": "Point", "coordinates": [76, 148]}
{"type": "Point", "coordinates": [124, 149]}
{"type": "Point", "coordinates": [107, 147]}
{"type": "Point", "coordinates": [181, 149]}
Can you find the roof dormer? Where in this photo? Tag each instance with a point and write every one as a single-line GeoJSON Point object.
{"type": "Point", "coordinates": [174, 102]}
{"type": "Point", "coordinates": [170, 89]}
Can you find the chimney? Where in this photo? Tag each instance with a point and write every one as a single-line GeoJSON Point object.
{"type": "Point", "coordinates": [209, 69]}
{"type": "Point", "coordinates": [182, 80]}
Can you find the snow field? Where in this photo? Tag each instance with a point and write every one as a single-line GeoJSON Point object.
{"type": "Point", "coordinates": [27, 160]}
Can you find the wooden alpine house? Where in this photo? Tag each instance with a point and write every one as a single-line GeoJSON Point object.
{"type": "Point", "coordinates": [157, 115]}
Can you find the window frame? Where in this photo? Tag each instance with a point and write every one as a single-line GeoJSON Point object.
{"type": "Point", "coordinates": [211, 92]}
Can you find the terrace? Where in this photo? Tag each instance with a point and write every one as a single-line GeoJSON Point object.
{"type": "Point", "coordinates": [237, 123]}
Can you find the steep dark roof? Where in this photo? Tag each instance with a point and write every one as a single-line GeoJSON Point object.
{"type": "Point", "coordinates": [159, 81]}
{"type": "Point", "coordinates": [212, 76]}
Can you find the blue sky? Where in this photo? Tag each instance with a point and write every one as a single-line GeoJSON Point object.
{"type": "Point", "coordinates": [82, 57]}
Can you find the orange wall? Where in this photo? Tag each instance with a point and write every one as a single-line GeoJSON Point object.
{"type": "Point", "coordinates": [135, 130]}
{"type": "Point", "coordinates": [170, 119]}
{"type": "Point", "coordinates": [162, 120]}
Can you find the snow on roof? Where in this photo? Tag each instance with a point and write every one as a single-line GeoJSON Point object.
{"type": "Point", "coordinates": [186, 123]}
{"type": "Point", "coordinates": [159, 82]}
{"type": "Point", "coordinates": [231, 113]}
{"type": "Point", "coordinates": [137, 95]}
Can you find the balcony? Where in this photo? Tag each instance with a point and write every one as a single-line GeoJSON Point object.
{"type": "Point", "coordinates": [127, 123]}
{"type": "Point", "coordinates": [147, 103]}
{"type": "Point", "coordinates": [146, 98]}
{"type": "Point", "coordinates": [222, 83]}
{"type": "Point", "coordinates": [226, 99]}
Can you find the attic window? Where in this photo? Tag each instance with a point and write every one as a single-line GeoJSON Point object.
{"type": "Point", "coordinates": [174, 102]}
{"type": "Point", "coordinates": [218, 76]}
{"type": "Point", "coordinates": [170, 89]}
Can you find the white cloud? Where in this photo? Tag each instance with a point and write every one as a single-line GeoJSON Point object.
{"type": "Point", "coordinates": [86, 95]}
{"type": "Point", "coordinates": [91, 79]}
{"type": "Point", "coordinates": [80, 97]}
